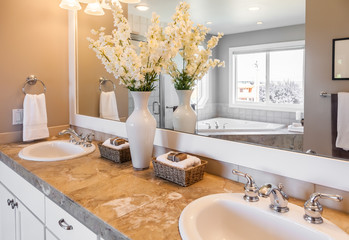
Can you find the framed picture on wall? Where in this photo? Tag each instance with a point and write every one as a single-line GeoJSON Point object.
{"type": "Point", "coordinates": [340, 59]}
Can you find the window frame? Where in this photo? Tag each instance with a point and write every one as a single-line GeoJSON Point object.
{"type": "Point", "coordinates": [262, 48]}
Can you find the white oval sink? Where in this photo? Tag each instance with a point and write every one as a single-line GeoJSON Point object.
{"type": "Point", "coordinates": [227, 216]}
{"type": "Point", "coordinates": [54, 151]}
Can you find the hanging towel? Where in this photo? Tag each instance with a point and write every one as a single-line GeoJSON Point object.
{"type": "Point", "coordinates": [108, 108]}
{"type": "Point", "coordinates": [343, 121]}
{"type": "Point", "coordinates": [34, 117]}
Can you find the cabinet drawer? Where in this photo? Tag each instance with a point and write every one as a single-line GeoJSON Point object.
{"type": "Point", "coordinates": [58, 220]}
{"type": "Point", "coordinates": [24, 191]}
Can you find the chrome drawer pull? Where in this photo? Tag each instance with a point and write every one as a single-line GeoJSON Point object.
{"type": "Point", "coordinates": [65, 225]}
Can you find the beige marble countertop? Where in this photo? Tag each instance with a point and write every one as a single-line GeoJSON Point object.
{"type": "Point", "coordinates": [138, 204]}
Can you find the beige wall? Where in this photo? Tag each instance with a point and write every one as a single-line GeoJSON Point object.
{"type": "Point", "coordinates": [325, 20]}
{"type": "Point", "coordinates": [34, 40]}
{"type": "Point", "coordinates": [90, 68]}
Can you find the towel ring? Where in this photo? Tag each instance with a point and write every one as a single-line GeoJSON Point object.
{"type": "Point", "coordinates": [32, 80]}
{"type": "Point", "coordinates": [103, 81]}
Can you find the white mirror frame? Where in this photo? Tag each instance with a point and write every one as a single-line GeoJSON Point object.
{"type": "Point", "coordinates": [329, 172]}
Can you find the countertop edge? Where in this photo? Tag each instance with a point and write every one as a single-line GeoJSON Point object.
{"type": "Point", "coordinates": [91, 221]}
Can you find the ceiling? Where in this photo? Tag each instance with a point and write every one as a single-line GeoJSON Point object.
{"type": "Point", "coordinates": [231, 16]}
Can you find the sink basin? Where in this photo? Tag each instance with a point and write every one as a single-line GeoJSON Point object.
{"type": "Point", "coordinates": [54, 151]}
{"type": "Point", "coordinates": [228, 216]}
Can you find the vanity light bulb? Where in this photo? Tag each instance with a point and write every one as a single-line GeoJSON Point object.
{"type": "Point", "coordinates": [94, 9]}
{"type": "Point", "coordinates": [130, 1]}
{"type": "Point", "coordinates": [70, 5]}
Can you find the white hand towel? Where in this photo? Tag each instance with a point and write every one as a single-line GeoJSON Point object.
{"type": "Point", "coordinates": [122, 146]}
{"type": "Point", "coordinates": [34, 117]}
{"type": "Point", "coordinates": [108, 109]}
{"type": "Point", "coordinates": [343, 121]}
{"type": "Point", "coordinates": [191, 161]}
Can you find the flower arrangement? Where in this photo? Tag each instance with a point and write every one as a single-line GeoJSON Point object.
{"type": "Point", "coordinates": [137, 72]}
{"type": "Point", "coordinates": [189, 40]}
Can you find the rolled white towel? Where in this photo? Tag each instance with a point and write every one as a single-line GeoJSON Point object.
{"type": "Point", "coordinates": [191, 161]}
{"type": "Point", "coordinates": [120, 147]}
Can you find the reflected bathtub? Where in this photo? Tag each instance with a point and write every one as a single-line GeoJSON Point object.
{"type": "Point", "coordinates": [227, 125]}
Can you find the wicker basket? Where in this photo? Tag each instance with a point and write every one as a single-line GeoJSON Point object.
{"type": "Point", "coordinates": [182, 177]}
{"type": "Point", "coordinates": [118, 156]}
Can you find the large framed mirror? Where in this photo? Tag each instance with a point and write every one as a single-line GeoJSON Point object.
{"type": "Point", "coordinates": [221, 93]}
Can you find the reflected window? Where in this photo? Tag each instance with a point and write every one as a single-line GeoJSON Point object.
{"type": "Point", "coordinates": [201, 92]}
{"type": "Point", "coordinates": [268, 76]}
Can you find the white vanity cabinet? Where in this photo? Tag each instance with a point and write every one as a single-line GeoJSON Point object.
{"type": "Point", "coordinates": [16, 221]}
{"type": "Point", "coordinates": [26, 214]}
{"type": "Point", "coordinates": [7, 215]}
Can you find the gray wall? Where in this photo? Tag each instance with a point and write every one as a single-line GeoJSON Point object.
{"type": "Point", "coordinates": [325, 20]}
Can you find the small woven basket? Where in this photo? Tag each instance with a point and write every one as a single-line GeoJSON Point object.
{"type": "Point", "coordinates": [182, 177]}
{"type": "Point", "coordinates": [118, 156]}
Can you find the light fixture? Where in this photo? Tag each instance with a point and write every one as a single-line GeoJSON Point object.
{"type": "Point", "coordinates": [142, 7]}
{"type": "Point", "coordinates": [253, 8]}
{"type": "Point", "coordinates": [94, 9]}
{"type": "Point", "coordinates": [87, 1]}
{"type": "Point", "coordinates": [259, 23]}
{"type": "Point", "coordinates": [208, 22]}
{"type": "Point", "coordinates": [130, 1]}
{"type": "Point", "coordinates": [106, 5]}
{"type": "Point", "coordinates": [70, 4]}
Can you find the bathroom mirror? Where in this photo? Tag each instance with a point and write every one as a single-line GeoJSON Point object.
{"type": "Point", "coordinates": [219, 102]}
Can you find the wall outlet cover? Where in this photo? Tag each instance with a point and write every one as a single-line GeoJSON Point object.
{"type": "Point", "coordinates": [17, 116]}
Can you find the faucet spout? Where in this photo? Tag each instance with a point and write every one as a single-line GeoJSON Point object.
{"type": "Point", "coordinates": [74, 137]}
{"type": "Point", "coordinates": [278, 198]}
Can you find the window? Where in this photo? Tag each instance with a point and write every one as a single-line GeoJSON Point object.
{"type": "Point", "coordinates": [269, 76]}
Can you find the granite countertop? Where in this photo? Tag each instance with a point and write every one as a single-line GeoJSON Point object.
{"type": "Point", "coordinates": [119, 203]}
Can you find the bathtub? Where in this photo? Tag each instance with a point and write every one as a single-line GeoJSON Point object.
{"type": "Point", "coordinates": [228, 125]}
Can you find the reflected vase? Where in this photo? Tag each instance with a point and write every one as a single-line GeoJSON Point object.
{"type": "Point", "coordinates": [184, 117]}
{"type": "Point", "coordinates": [140, 127]}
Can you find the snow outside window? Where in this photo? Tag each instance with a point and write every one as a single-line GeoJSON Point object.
{"type": "Point", "coordinates": [269, 76]}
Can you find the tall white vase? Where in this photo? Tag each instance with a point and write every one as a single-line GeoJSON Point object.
{"type": "Point", "coordinates": [184, 117]}
{"type": "Point", "coordinates": [140, 127]}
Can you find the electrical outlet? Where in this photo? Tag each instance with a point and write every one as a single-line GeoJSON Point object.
{"type": "Point", "coordinates": [17, 116]}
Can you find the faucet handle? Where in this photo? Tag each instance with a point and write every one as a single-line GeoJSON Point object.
{"type": "Point", "coordinates": [87, 141]}
{"type": "Point", "coordinates": [313, 209]}
{"type": "Point", "coordinates": [251, 189]}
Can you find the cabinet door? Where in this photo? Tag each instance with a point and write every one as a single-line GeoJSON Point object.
{"type": "Point", "coordinates": [50, 236]}
{"type": "Point", "coordinates": [7, 215]}
{"type": "Point", "coordinates": [28, 227]}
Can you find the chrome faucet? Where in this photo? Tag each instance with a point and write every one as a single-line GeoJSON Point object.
{"type": "Point", "coordinates": [208, 124]}
{"type": "Point", "coordinates": [225, 125]}
{"type": "Point", "coordinates": [251, 189]}
{"type": "Point", "coordinates": [313, 208]}
{"type": "Point", "coordinates": [278, 198]}
{"type": "Point", "coordinates": [216, 125]}
{"type": "Point", "coordinates": [74, 137]}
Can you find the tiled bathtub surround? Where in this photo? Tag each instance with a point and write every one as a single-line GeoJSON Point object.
{"type": "Point", "coordinates": [223, 110]}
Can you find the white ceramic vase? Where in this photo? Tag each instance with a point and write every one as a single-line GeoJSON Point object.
{"type": "Point", "coordinates": [140, 127]}
{"type": "Point", "coordinates": [184, 117]}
